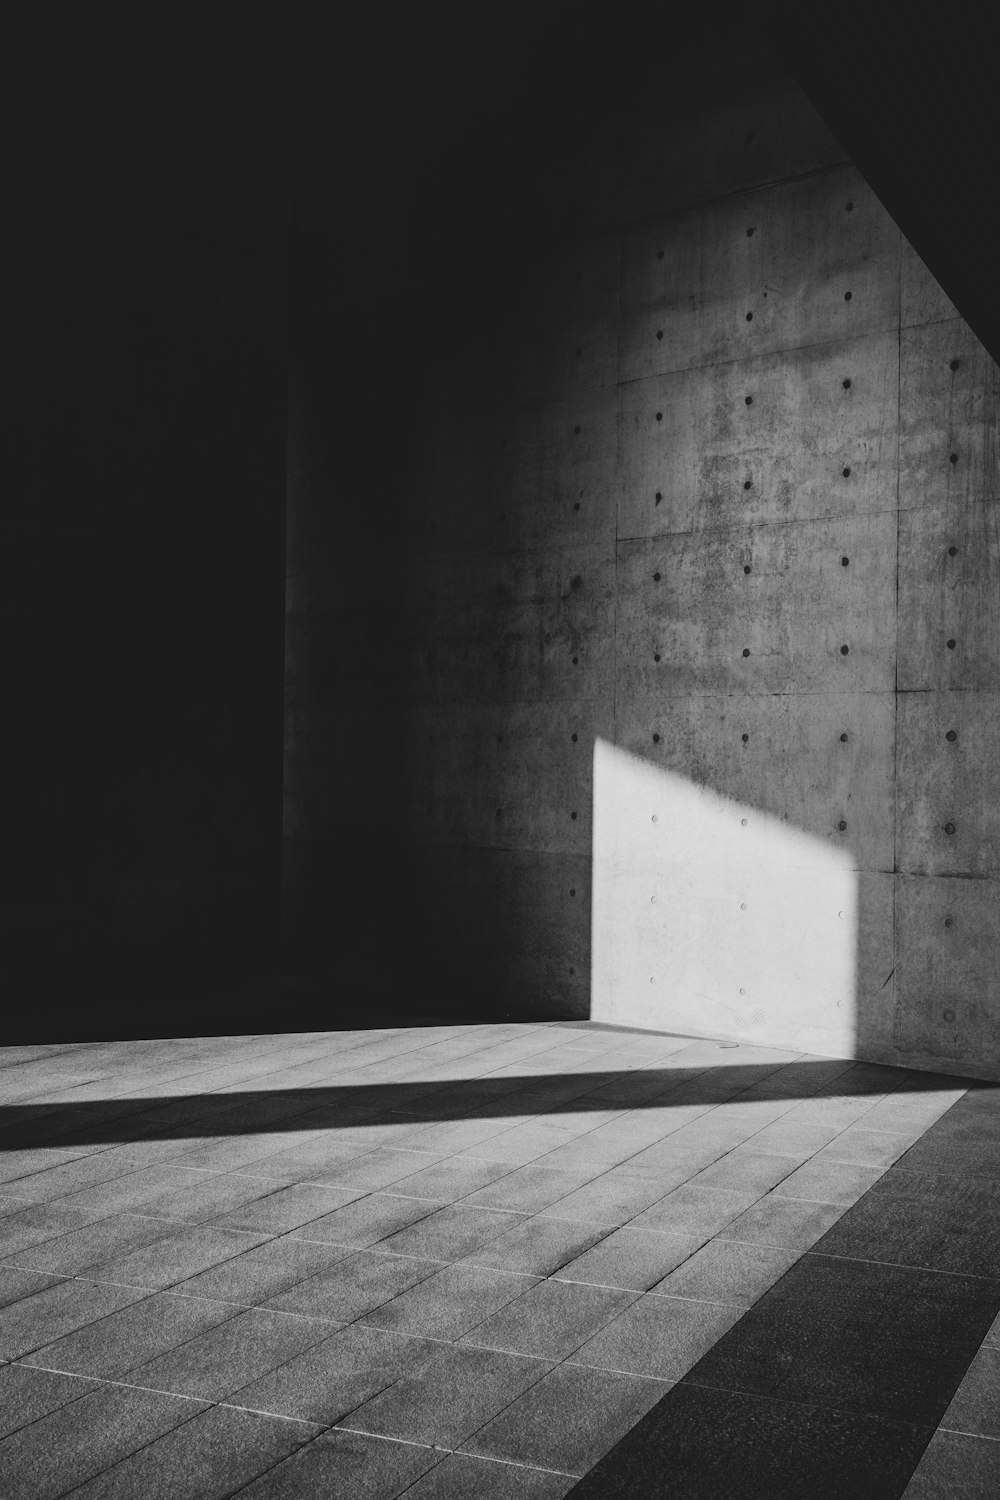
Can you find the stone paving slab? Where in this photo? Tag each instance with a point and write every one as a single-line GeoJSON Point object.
{"type": "Point", "coordinates": [280, 1262]}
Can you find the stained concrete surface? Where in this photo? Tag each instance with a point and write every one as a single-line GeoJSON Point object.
{"type": "Point", "coordinates": [443, 1259]}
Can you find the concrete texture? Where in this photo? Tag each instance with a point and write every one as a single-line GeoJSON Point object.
{"type": "Point", "coordinates": [576, 1216]}
{"type": "Point", "coordinates": [691, 520]}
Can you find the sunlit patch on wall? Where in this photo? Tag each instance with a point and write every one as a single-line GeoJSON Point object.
{"type": "Point", "coordinates": [713, 918]}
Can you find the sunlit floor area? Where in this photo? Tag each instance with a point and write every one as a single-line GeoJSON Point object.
{"type": "Point", "coordinates": [494, 1261]}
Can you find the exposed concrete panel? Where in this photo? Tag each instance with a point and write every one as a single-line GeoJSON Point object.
{"type": "Point", "coordinates": [949, 597]}
{"type": "Point", "coordinates": [948, 775]}
{"type": "Point", "coordinates": [789, 436]}
{"type": "Point", "coordinates": [660, 307]}
{"type": "Point", "coordinates": [518, 627]}
{"type": "Point", "coordinates": [875, 987]}
{"type": "Point", "coordinates": [812, 761]}
{"type": "Point", "coordinates": [713, 413]}
{"type": "Point", "coordinates": [711, 916]}
{"type": "Point", "coordinates": [948, 992]}
{"type": "Point", "coordinates": [782, 268]}
{"type": "Point", "coordinates": [738, 612]}
{"type": "Point", "coordinates": [949, 409]}
{"type": "Point", "coordinates": [515, 580]}
{"type": "Point", "coordinates": [788, 960]}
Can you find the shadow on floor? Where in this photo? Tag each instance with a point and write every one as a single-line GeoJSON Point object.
{"type": "Point", "coordinates": [35, 1121]}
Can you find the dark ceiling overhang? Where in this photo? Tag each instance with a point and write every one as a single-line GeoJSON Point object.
{"type": "Point", "coordinates": [435, 113]}
{"type": "Point", "coordinates": [912, 93]}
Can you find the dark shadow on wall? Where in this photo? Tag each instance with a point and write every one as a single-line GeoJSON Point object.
{"type": "Point", "coordinates": [503, 917]}
{"type": "Point", "coordinates": [413, 255]}
{"type": "Point", "coordinates": [405, 245]}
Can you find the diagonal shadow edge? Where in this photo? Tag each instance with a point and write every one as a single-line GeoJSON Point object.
{"type": "Point", "coordinates": [355, 1105]}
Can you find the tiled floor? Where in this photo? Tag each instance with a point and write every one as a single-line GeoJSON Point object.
{"type": "Point", "coordinates": [469, 1260]}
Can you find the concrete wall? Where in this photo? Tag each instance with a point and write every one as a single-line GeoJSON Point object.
{"type": "Point", "coordinates": [701, 536]}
